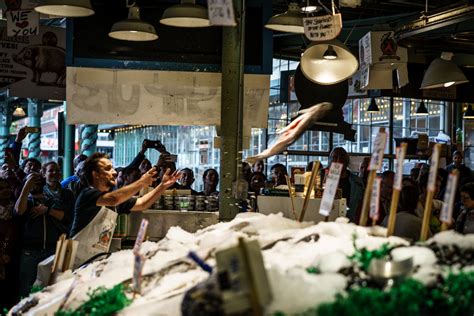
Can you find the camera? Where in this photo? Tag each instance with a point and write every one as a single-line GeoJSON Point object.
{"type": "Point", "coordinates": [154, 144]}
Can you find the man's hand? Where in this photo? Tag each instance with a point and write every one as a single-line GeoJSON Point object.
{"type": "Point", "coordinates": [32, 179]}
{"type": "Point", "coordinates": [21, 134]}
{"type": "Point", "coordinates": [170, 178]}
{"type": "Point", "coordinates": [148, 177]}
{"type": "Point", "coordinates": [38, 210]}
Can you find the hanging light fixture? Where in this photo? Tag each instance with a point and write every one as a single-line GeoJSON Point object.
{"type": "Point", "coordinates": [186, 14]}
{"type": "Point", "coordinates": [422, 110]}
{"type": "Point", "coordinates": [133, 28]}
{"type": "Point", "coordinates": [469, 114]}
{"type": "Point", "coordinates": [19, 112]}
{"type": "Point", "coordinates": [66, 8]}
{"type": "Point", "coordinates": [373, 107]}
{"type": "Point", "coordinates": [319, 69]}
{"type": "Point", "coordinates": [443, 73]}
{"type": "Point", "coordinates": [290, 22]}
{"type": "Point", "coordinates": [310, 6]}
{"type": "Point", "coordinates": [330, 53]}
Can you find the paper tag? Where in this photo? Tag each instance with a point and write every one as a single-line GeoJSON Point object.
{"type": "Point", "coordinates": [323, 28]}
{"type": "Point", "coordinates": [332, 182]}
{"type": "Point", "coordinates": [137, 273]}
{"type": "Point", "coordinates": [433, 168]}
{"type": "Point", "coordinates": [397, 181]}
{"type": "Point", "coordinates": [221, 12]}
{"type": "Point", "coordinates": [449, 195]}
{"type": "Point", "coordinates": [22, 23]}
{"type": "Point", "coordinates": [377, 153]}
{"type": "Point", "coordinates": [374, 199]}
{"type": "Point", "coordinates": [140, 237]}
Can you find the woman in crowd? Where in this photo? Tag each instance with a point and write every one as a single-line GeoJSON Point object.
{"type": "Point", "coordinates": [465, 220]}
{"type": "Point", "coordinates": [211, 180]}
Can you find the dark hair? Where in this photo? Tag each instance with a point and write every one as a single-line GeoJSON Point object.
{"type": "Point", "coordinates": [387, 173]}
{"type": "Point", "coordinates": [346, 160]}
{"type": "Point", "coordinates": [90, 165]}
{"type": "Point", "coordinates": [258, 173]}
{"type": "Point", "coordinates": [45, 166]}
{"type": "Point", "coordinates": [277, 165]}
{"type": "Point", "coordinates": [33, 160]}
{"type": "Point", "coordinates": [188, 169]}
{"type": "Point", "coordinates": [204, 175]}
{"type": "Point", "coordinates": [409, 197]}
{"type": "Point", "coordinates": [126, 172]}
{"type": "Point", "coordinates": [457, 152]}
{"type": "Point", "coordinates": [78, 159]}
{"type": "Point", "coordinates": [469, 189]}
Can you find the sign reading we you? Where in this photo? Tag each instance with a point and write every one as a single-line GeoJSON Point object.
{"type": "Point", "coordinates": [22, 23]}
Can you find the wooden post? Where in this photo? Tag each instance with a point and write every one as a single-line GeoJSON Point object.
{"type": "Point", "coordinates": [397, 186]}
{"type": "Point", "coordinates": [425, 227]}
{"type": "Point", "coordinates": [308, 191]}
{"type": "Point", "coordinates": [366, 203]}
{"type": "Point", "coordinates": [290, 191]}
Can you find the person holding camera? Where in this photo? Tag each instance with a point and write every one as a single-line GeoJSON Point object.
{"type": "Point", "coordinates": [44, 221]}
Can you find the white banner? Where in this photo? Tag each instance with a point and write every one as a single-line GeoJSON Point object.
{"type": "Point", "coordinates": [374, 199]}
{"type": "Point", "coordinates": [323, 28]}
{"type": "Point", "coordinates": [332, 183]}
{"type": "Point", "coordinates": [34, 66]}
{"type": "Point", "coordinates": [449, 196]}
{"type": "Point", "coordinates": [377, 153]}
{"type": "Point", "coordinates": [397, 181]}
{"type": "Point", "coordinates": [111, 96]}
{"type": "Point", "coordinates": [221, 12]}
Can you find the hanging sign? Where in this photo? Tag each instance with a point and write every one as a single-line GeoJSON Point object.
{"type": "Point", "coordinates": [433, 168]}
{"type": "Point", "coordinates": [221, 12]}
{"type": "Point", "coordinates": [332, 183]}
{"type": "Point", "coordinates": [323, 28]}
{"type": "Point", "coordinates": [377, 154]}
{"type": "Point", "coordinates": [449, 195]}
{"type": "Point", "coordinates": [401, 153]}
{"type": "Point", "coordinates": [22, 22]}
{"type": "Point", "coordinates": [374, 199]}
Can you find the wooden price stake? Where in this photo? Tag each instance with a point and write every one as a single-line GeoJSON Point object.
{"type": "Point", "coordinates": [314, 172]}
{"type": "Point", "coordinates": [425, 227]}
{"type": "Point", "coordinates": [449, 195]}
{"type": "Point", "coordinates": [290, 191]}
{"type": "Point", "coordinates": [397, 188]}
{"type": "Point", "coordinates": [375, 164]}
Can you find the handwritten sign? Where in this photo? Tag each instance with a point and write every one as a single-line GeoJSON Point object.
{"type": "Point", "coordinates": [332, 183]}
{"type": "Point", "coordinates": [401, 153]}
{"type": "Point", "coordinates": [433, 168]}
{"type": "Point", "coordinates": [377, 153]}
{"type": "Point", "coordinates": [449, 195]}
{"type": "Point", "coordinates": [22, 23]}
{"type": "Point", "coordinates": [221, 12]}
{"type": "Point", "coordinates": [140, 237]}
{"type": "Point", "coordinates": [374, 199]}
{"type": "Point", "coordinates": [322, 28]}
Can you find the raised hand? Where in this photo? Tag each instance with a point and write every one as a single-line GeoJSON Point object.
{"type": "Point", "coordinates": [21, 134]}
{"type": "Point", "coordinates": [170, 178]}
{"type": "Point", "coordinates": [148, 177]}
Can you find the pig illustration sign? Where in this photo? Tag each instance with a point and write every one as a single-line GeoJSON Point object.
{"type": "Point", "coordinates": [34, 66]}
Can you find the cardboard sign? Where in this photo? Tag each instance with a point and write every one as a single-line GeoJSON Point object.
{"type": "Point", "coordinates": [332, 182]}
{"type": "Point", "coordinates": [140, 237]}
{"type": "Point", "coordinates": [374, 199]}
{"type": "Point", "coordinates": [378, 150]}
{"type": "Point", "coordinates": [433, 168]}
{"type": "Point", "coordinates": [22, 23]}
{"type": "Point", "coordinates": [449, 195]}
{"type": "Point", "coordinates": [401, 153]}
{"type": "Point", "coordinates": [221, 12]}
{"type": "Point", "coordinates": [323, 28]}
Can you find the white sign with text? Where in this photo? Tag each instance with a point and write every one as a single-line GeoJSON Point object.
{"type": "Point", "coordinates": [332, 183]}
{"type": "Point", "coordinates": [221, 12]}
{"type": "Point", "coordinates": [449, 195]}
{"type": "Point", "coordinates": [378, 150]}
{"type": "Point", "coordinates": [374, 199]}
{"type": "Point", "coordinates": [322, 28]}
{"type": "Point", "coordinates": [397, 181]}
{"type": "Point", "coordinates": [22, 23]}
{"type": "Point", "coordinates": [433, 168]}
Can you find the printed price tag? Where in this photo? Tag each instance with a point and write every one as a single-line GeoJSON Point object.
{"type": "Point", "coordinates": [221, 12]}
{"type": "Point", "coordinates": [140, 237]}
{"type": "Point", "coordinates": [22, 23]}
{"type": "Point", "coordinates": [433, 168]}
{"type": "Point", "coordinates": [449, 195]}
{"type": "Point", "coordinates": [332, 182]}
{"type": "Point", "coordinates": [374, 199]}
{"type": "Point", "coordinates": [323, 28]}
{"type": "Point", "coordinates": [377, 153]}
{"type": "Point", "coordinates": [137, 273]}
{"type": "Point", "coordinates": [401, 153]}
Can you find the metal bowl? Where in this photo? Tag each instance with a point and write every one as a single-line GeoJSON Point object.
{"type": "Point", "coordinates": [384, 270]}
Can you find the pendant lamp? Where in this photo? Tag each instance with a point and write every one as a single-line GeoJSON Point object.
{"type": "Point", "coordinates": [443, 73]}
{"type": "Point", "coordinates": [422, 110]}
{"type": "Point", "coordinates": [373, 107]}
{"type": "Point", "coordinates": [289, 22]}
{"type": "Point", "coordinates": [317, 67]}
{"type": "Point", "coordinates": [186, 14]}
{"type": "Point", "coordinates": [310, 6]}
{"type": "Point", "coordinates": [133, 29]}
{"type": "Point", "coordinates": [19, 112]}
{"type": "Point", "coordinates": [469, 114]}
{"type": "Point", "coordinates": [66, 8]}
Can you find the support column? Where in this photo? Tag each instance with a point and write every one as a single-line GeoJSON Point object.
{"type": "Point", "coordinates": [88, 139]}
{"type": "Point", "coordinates": [69, 145]}
{"type": "Point", "coordinates": [233, 42]}
{"type": "Point", "coordinates": [5, 122]}
{"type": "Point", "coordinates": [35, 112]}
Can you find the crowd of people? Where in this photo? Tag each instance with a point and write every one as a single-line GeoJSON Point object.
{"type": "Point", "coordinates": [37, 206]}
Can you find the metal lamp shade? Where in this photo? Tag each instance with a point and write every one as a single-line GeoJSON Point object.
{"type": "Point", "coordinates": [133, 30]}
{"type": "Point", "coordinates": [442, 73]}
{"type": "Point", "coordinates": [290, 22]}
{"type": "Point", "coordinates": [373, 107]}
{"type": "Point", "coordinates": [19, 112]}
{"type": "Point", "coordinates": [186, 14]}
{"type": "Point", "coordinates": [422, 110]}
{"type": "Point", "coordinates": [66, 8]}
{"type": "Point", "coordinates": [328, 71]}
